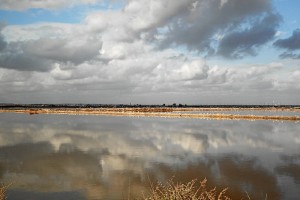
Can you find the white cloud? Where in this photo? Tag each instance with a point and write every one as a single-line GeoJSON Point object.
{"type": "Point", "coordinates": [46, 4]}
{"type": "Point", "coordinates": [146, 15]}
{"type": "Point", "coordinates": [58, 73]}
{"type": "Point", "coordinates": [296, 75]}
{"type": "Point", "coordinates": [20, 33]}
{"type": "Point", "coordinates": [177, 70]}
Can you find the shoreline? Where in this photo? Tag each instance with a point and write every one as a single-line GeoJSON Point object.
{"type": "Point", "coordinates": [165, 112]}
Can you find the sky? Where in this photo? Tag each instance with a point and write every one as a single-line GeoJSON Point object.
{"type": "Point", "coordinates": [150, 51]}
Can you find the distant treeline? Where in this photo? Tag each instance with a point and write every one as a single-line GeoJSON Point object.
{"type": "Point", "coordinates": [174, 105]}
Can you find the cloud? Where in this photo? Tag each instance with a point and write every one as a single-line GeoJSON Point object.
{"type": "Point", "coordinates": [75, 49]}
{"type": "Point", "coordinates": [194, 70]}
{"type": "Point", "coordinates": [35, 31]}
{"type": "Point", "coordinates": [49, 4]}
{"type": "Point", "coordinates": [145, 52]}
{"type": "Point", "coordinates": [14, 58]}
{"type": "Point", "coordinates": [149, 15]}
{"type": "Point", "coordinates": [290, 44]}
{"type": "Point", "coordinates": [237, 44]}
{"type": "Point", "coordinates": [156, 76]}
{"type": "Point", "coordinates": [3, 43]}
{"type": "Point", "coordinates": [42, 53]}
{"type": "Point", "coordinates": [189, 23]}
{"type": "Point", "coordinates": [194, 24]}
{"type": "Point", "coordinates": [296, 75]}
{"type": "Point", "coordinates": [289, 55]}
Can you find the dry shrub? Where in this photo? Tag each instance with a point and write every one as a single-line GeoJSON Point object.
{"type": "Point", "coordinates": [2, 192]}
{"type": "Point", "coordinates": [188, 191]}
{"type": "Point", "coordinates": [3, 189]}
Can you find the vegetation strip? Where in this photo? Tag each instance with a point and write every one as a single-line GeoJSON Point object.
{"type": "Point", "coordinates": [160, 112]}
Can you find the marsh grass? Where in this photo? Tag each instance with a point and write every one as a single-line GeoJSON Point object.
{"type": "Point", "coordinates": [188, 191]}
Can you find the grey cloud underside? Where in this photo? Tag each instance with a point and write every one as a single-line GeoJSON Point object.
{"type": "Point", "coordinates": [290, 44]}
{"type": "Point", "coordinates": [24, 62]}
{"type": "Point", "coordinates": [3, 44]}
{"type": "Point", "coordinates": [41, 54]}
{"type": "Point", "coordinates": [289, 55]}
{"type": "Point", "coordinates": [64, 50]}
{"type": "Point", "coordinates": [245, 42]}
{"type": "Point", "coordinates": [196, 26]}
{"type": "Point", "coordinates": [12, 57]}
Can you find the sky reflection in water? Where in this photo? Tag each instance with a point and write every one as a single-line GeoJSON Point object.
{"type": "Point", "coordinates": [99, 157]}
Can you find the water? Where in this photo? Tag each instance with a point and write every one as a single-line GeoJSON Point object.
{"type": "Point", "coordinates": [103, 157]}
{"type": "Point", "coordinates": [248, 112]}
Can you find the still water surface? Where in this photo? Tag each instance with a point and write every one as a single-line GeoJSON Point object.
{"type": "Point", "coordinates": [248, 112]}
{"type": "Point", "coordinates": [54, 157]}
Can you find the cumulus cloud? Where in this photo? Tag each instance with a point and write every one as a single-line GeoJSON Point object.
{"type": "Point", "coordinates": [3, 43]}
{"type": "Point", "coordinates": [196, 23]}
{"type": "Point", "coordinates": [40, 54]}
{"type": "Point", "coordinates": [35, 31]}
{"type": "Point", "coordinates": [193, 24]}
{"type": "Point", "coordinates": [14, 58]}
{"type": "Point", "coordinates": [75, 50]}
{"type": "Point", "coordinates": [49, 4]}
{"type": "Point", "coordinates": [195, 70]}
{"type": "Point", "coordinates": [148, 15]}
{"type": "Point", "coordinates": [145, 49]}
{"type": "Point", "coordinates": [290, 55]}
{"type": "Point", "coordinates": [290, 44]}
{"type": "Point", "coordinates": [237, 44]}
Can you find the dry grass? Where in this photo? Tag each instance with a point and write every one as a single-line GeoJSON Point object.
{"type": "Point", "coordinates": [3, 189]}
{"type": "Point", "coordinates": [189, 191]}
{"type": "Point", "coordinates": [164, 112]}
